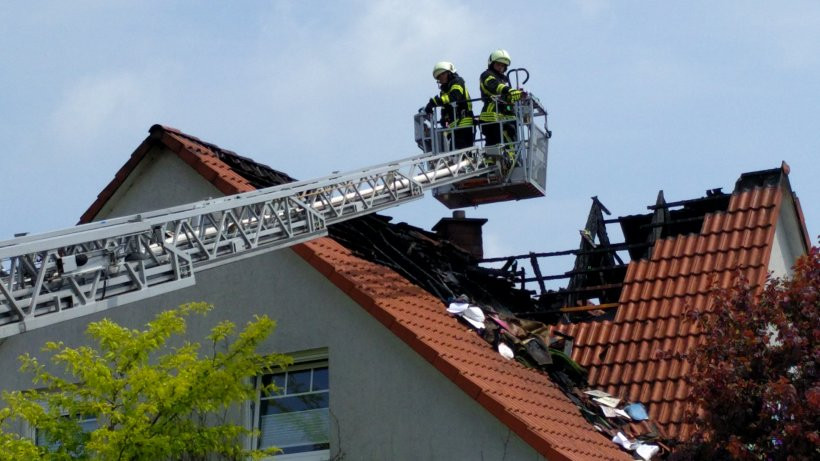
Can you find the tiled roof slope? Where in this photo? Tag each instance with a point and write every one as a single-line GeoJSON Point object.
{"type": "Point", "coordinates": [637, 356]}
{"type": "Point", "coordinates": [523, 399]}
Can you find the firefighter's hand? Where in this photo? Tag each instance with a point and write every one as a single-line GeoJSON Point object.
{"type": "Point", "coordinates": [516, 95]}
{"type": "Point", "coordinates": [429, 107]}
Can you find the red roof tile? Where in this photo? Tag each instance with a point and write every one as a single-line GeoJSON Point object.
{"type": "Point", "coordinates": [637, 355]}
{"type": "Point", "coordinates": [525, 400]}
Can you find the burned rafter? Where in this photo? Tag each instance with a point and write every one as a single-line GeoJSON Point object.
{"type": "Point", "coordinates": [590, 268]}
{"type": "Point", "coordinates": [537, 270]}
{"type": "Point", "coordinates": [711, 195]}
{"type": "Point", "coordinates": [660, 218]}
{"type": "Point", "coordinates": [614, 246]}
{"type": "Point", "coordinates": [668, 219]}
{"type": "Point", "coordinates": [598, 271]}
{"type": "Point", "coordinates": [569, 274]}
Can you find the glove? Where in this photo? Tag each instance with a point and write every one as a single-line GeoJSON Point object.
{"type": "Point", "coordinates": [429, 107]}
{"type": "Point", "coordinates": [515, 95]}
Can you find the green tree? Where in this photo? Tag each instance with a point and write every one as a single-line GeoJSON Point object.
{"type": "Point", "coordinates": [755, 385]}
{"type": "Point", "coordinates": [154, 396]}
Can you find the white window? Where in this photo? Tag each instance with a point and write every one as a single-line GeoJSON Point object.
{"type": "Point", "coordinates": [296, 419]}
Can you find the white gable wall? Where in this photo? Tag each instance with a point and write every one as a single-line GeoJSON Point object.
{"type": "Point", "coordinates": [788, 239]}
{"type": "Point", "coordinates": [160, 180]}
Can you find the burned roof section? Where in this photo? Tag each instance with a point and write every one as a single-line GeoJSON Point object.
{"type": "Point", "coordinates": [669, 220]}
{"type": "Point", "coordinates": [596, 279]}
{"type": "Point", "coordinates": [440, 267]}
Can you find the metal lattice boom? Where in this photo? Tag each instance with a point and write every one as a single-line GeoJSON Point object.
{"type": "Point", "coordinates": [51, 277]}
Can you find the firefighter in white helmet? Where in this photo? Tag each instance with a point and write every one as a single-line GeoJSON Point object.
{"type": "Point", "coordinates": [497, 95]}
{"type": "Point", "coordinates": [454, 99]}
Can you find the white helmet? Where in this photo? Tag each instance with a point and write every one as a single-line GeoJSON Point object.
{"type": "Point", "coordinates": [499, 56]}
{"type": "Point", "coordinates": [443, 66]}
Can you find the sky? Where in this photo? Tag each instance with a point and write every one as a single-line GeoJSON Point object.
{"type": "Point", "coordinates": [679, 96]}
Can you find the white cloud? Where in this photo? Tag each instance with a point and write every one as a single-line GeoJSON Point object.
{"type": "Point", "coordinates": [593, 8]}
{"type": "Point", "coordinates": [395, 32]}
{"type": "Point", "coordinates": [100, 103]}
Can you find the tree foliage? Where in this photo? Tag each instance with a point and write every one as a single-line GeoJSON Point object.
{"type": "Point", "coordinates": [755, 390]}
{"type": "Point", "coordinates": [154, 395]}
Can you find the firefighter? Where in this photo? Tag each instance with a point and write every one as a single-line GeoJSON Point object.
{"type": "Point", "coordinates": [454, 99]}
{"type": "Point", "coordinates": [497, 95]}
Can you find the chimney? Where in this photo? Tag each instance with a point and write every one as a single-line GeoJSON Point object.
{"type": "Point", "coordinates": [463, 232]}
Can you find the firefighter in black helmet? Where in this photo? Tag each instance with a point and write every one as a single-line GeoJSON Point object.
{"type": "Point", "coordinates": [454, 99]}
{"type": "Point", "coordinates": [497, 95]}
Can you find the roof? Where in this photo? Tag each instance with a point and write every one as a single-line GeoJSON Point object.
{"type": "Point", "coordinates": [523, 399]}
{"type": "Point", "coordinates": [639, 355]}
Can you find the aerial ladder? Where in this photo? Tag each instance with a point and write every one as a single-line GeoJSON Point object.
{"type": "Point", "coordinates": [65, 274]}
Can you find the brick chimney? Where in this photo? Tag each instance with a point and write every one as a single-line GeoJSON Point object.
{"type": "Point", "coordinates": [463, 232]}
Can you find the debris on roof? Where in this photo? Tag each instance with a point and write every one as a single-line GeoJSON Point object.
{"type": "Point", "coordinates": [536, 345]}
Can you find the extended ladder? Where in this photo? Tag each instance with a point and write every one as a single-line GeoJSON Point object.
{"type": "Point", "coordinates": [56, 276]}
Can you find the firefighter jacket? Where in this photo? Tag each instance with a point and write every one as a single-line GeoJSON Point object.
{"type": "Point", "coordinates": [495, 94]}
{"type": "Point", "coordinates": [454, 91]}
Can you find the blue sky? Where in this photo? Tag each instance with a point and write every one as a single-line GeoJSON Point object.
{"type": "Point", "coordinates": [675, 95]}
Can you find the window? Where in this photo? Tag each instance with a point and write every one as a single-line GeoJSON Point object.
{"type": "Point", "coordinates": [87, 425]}
{"type": "Point", "coordinates": [296, 418]}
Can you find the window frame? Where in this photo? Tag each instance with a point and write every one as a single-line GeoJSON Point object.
{"type": "Point", "coordinates": [306, 360]}
{"type": "Point", "coordinates": [31, 431]}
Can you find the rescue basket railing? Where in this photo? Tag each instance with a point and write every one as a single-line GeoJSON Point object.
{"type": "Point", "coordinates": [528, 125]}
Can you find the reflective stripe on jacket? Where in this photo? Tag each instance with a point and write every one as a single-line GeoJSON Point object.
{"type": "Point", "coordinates": [455, 91]}
{"type": "Point", "coordinates": [494, 84]}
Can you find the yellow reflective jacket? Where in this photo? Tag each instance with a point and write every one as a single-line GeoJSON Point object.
{"type": "Point", "coordinates": [455, 91]}
{"type": "Point", "coordinates": [494, 84]}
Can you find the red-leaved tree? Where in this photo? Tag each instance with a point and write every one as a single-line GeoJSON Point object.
{"type": "Point", "coordinates": [755, 389]}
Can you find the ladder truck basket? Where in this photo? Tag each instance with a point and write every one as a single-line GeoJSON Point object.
{"type": "Point", "coordinates": [519, 163]}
